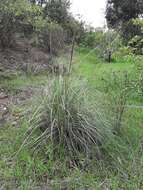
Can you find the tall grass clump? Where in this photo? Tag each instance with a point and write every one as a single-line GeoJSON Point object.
{"type": "Point", "coordinates": [69, 120]}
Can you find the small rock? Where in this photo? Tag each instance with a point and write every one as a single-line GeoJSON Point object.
{"type": "Point", "coordinates": [4, 112]}
{"type": "Point", "coordinates": [3, 95]}
{"type": "Point", "coordinates": [14, 123]}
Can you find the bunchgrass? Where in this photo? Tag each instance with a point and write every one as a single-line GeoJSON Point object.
{"type": "Point", "coordinates": [67, 117]}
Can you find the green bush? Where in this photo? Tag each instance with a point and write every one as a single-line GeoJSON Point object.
{"type": "Point", "coordinates": [138, 83]}
{"type": "Point", "coordinates": [136, 45]}
{"type": "Point", "coordinates": [14, 16]}
{"type": "Point", "coordinates": [102, 42]}
{"type": "Point", "coordinates": [123, 54]}
{"type": "Point", "coordinates": [52, 37]}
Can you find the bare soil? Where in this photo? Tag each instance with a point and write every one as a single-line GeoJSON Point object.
{"type": "Point", "coordinates": [7, 101]}
{"type": "Point", "coordinates": [23, 56]}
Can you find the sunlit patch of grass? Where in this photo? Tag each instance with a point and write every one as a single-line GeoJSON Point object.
{"type": "Point", "coordinates": [94, 69]}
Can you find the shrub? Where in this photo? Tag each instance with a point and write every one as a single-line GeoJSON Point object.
{"type": "Point", "coordinates": [15, 15]}
{"type": "Point", "coordinates": [124, 54]}
{"type": "Point", "coordinates": [69, 119]}
{"type": "Point", "coordinates": [119, 87]}
{"type": "Point", "coordinates": [136, 45]}
{"type": "Point", "coordinates": [138, 83]}
{"type": "Point", "coordinates": [102, 42]}
{"type": "Point", "coordinates": [51, 36]}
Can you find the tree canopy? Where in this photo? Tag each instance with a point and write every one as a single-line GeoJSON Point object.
{"type": "Point", "coordinates": [118, 12]}
{"type": "Point", "coordinates": [119, 15]}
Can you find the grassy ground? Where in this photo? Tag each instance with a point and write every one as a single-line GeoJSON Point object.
{"type": "Point", "coordinates": [94, 68]}
{"type": "Point", "coordinates": [122, 169]}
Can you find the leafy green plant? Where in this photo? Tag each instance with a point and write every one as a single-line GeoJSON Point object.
{"type": "Point", "coordinates": [103, 42]}
{"type": "Point", "coordinates": [123, 54]}
{"type": "Point", "coordinates": [138, 83]}
{"type": "Point", "coordinates": [51, 38]}
{"type": "Point", "coordinates": [136, 45]}
{"type": "Point", "coordinates": [14, 16]}
{"type": "Point", "coordinates": [118, 87]}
